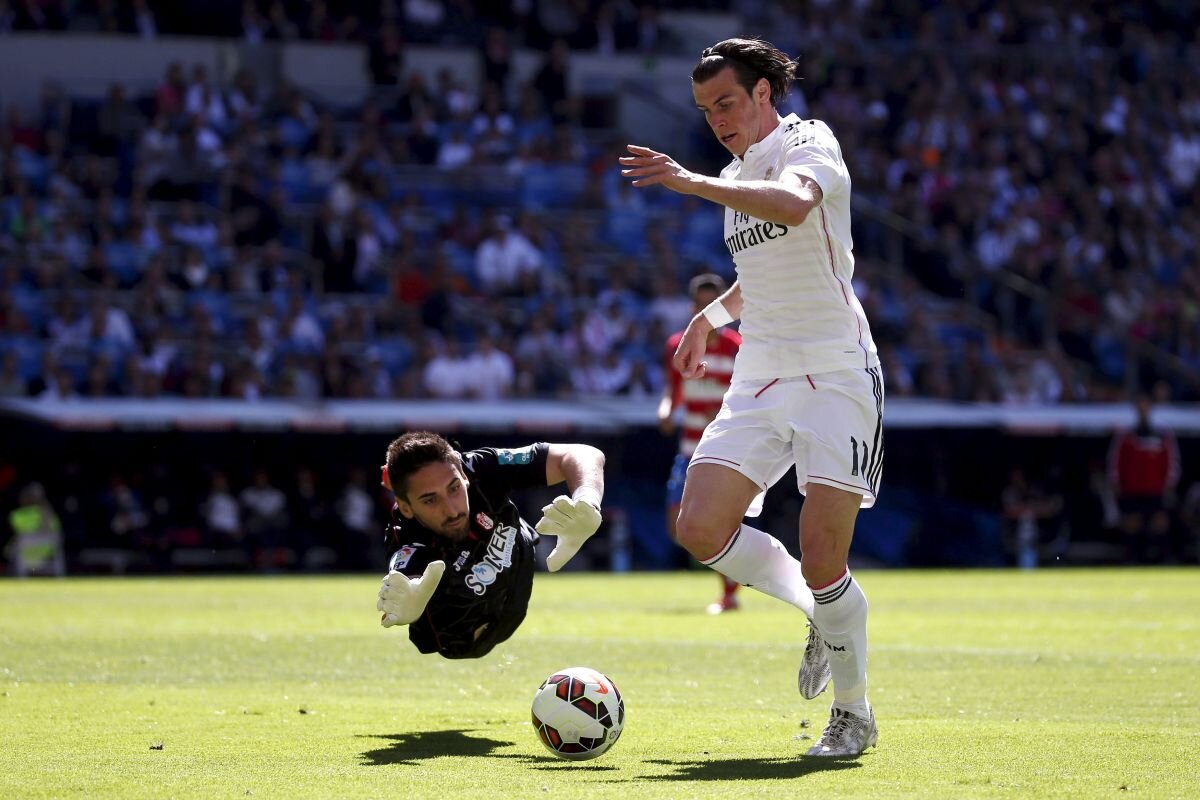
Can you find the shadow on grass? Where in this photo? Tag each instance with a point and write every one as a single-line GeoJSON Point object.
{"type": "Point", "coordinates": [746, 769]}
{"type": "Point", "coordinates": [411, 748]}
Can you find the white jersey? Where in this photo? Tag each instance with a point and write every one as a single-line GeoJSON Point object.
{"type": "Point", "coordinates": [799, 314]}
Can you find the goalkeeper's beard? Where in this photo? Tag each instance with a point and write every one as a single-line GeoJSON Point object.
{"type": "Point", "coordinates": [455, 529]}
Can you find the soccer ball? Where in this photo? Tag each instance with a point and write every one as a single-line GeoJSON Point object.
{"type": "Point", "coordinates": [578, 713]}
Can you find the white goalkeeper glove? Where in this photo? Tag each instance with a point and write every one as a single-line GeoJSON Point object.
{"type": "Point", "coordinates": [403, 599]}
{"type": "Point", "coordinates": [573, 520]}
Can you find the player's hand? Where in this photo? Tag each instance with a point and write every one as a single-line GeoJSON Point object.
{"type": "Point", "coordinates": [689, 354]}
{"type": "Point", "coordinates": [649, 167]}
{"type": "Point", "coordinates": [403, 599]}
{"type": "Point", "coordinates": [573, 522]}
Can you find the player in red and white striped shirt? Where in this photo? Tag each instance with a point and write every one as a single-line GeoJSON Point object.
{"type": "Point", "coordinates": [700, 400]}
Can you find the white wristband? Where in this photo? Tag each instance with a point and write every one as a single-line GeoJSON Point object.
{"type": "Point", "coordinates": [588, 495]}
{"type": "Point", "coordinates": [716, 313]}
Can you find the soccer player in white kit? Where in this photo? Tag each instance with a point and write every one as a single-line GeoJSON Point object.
{"type": "Point", "coordinates": [807, 388]}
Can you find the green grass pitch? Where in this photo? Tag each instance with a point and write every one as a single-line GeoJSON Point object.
{"type": "Point", "coordinates": [985, 684]}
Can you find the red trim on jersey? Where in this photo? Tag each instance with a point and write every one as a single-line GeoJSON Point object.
{"type": "Point", "coordinates": [810, 382]}
{"type": "Point", "coordinates": [865, 490]}
{"type": "Point", "coordinates": [768, 386]}
{"type": "Point", "coordinates": [833, 269]}
{"type": "Point", "coordinates": [716, 458]}
{"type": "Point", "coordinates": [832, 263]}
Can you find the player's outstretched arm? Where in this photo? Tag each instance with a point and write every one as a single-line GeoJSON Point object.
{"type": "Point", "coordinates": [786, 201]}
{"type": "Point", "coordinates": [403, 599]}
{"type": "Point", "coordinates": [573, 519]}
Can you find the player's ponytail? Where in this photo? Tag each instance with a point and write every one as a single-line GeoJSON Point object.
{"type": "Point", "coordinates": [751, 59]}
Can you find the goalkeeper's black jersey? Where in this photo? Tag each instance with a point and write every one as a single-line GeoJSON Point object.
{"type": "Point", "coordinates": [485, 590]}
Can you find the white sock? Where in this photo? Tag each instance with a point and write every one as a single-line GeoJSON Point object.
{"type": "Point", "coordinates": [841, 618]}
{"type": "Point", "coordinates": [758, 560]}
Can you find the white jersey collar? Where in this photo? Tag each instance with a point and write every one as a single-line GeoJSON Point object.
{"type": "Point", "coordinates": [754, 153]}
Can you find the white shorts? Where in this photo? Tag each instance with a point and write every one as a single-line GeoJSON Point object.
{"type": "Point", "coordinates": [829, 425]}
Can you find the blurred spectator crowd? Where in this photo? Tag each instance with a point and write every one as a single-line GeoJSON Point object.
{"type": "Point", "coordinates": [175, 516]}
{"type": "Point", "coordinates": [1027, 228]}
{"type": "Point", "coordinates": [615, 24]}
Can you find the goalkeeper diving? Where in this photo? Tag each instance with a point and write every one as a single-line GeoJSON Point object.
{"type": "Point", "coordinates": [463, 571]}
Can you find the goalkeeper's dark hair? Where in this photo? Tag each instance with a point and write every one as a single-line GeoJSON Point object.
{"type": "Point", "coordinates": [751, 60]}
{"type": "Point", "coordinates": [416, 449]}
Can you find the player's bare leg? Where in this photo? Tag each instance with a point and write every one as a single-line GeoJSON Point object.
{"type": "Point", "coordinates": [727, 600]}
{"type": "Point", "coordinates": [710, 527]}
{"type": "Point", "coordinates": [715, 499]}
{"type": "Point", "coordinates": [826, 529]}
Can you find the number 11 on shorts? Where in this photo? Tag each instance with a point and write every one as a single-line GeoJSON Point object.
{"type": "Point", "coordinates": [854, 455]}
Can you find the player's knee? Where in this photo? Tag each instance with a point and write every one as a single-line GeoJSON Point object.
{"type": "Point", "coordinates": [672, 518]}
{"type": "Point", "coordinates": [700, 535]}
